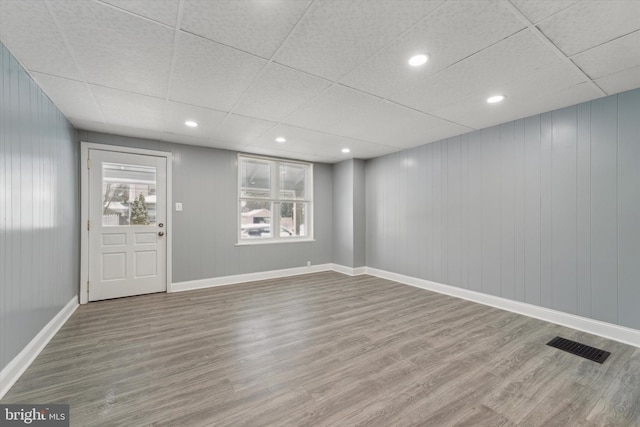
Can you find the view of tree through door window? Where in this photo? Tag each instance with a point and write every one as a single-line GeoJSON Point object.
{"type": "Point", "coordinates": [128, 194]}
{"type": "Point", "coordinates": [274, 195]}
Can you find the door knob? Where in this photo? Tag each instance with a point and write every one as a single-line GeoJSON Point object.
{"type": "Point", "coordinates": [161, 225]}
{"type": "Point", "coordinates": [160, 233]}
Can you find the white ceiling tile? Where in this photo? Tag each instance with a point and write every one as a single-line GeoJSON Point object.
{"type": "Point", "coordinates": [130, 109]}
{"type": "Point", "coordinates": [136, 132]}
{"type": "Point", "coordinates": [333, 106]}
{"type": "Point", "coordinates": [70, 96]}
{"type": "Point", "coordinates": [258, 27]}
{"type": "Point", "coordinates": [90, 125]}
{"type": "Point", "coordinates": [609, 58]}
{"type": "Point", "coordinates": [336, 35]}
{"type": "Point", "coordinates": [522, 98]}
{"type": "Point", "coordinates": [30, 33]}
{"type": "Point", "coordinates": [507, 62]}
{"type": "Point", "coordinates": [225, 145]}
{"type": "Point", "coordinates": [240, 130]}
{"type": "Point", "coordinates": [449, 34]}
{"type": "Point", "coordinates": [535, 102]}
{"type": "Point", "coordinates": [621, 81]}
{"type": "Point", "coordinates": [164, 11]}
{"type": "Point", "coordinates": [318, 143]}
{"type": "Point", "coordinates": [116, 49]}
{"type": "Point", "coordinates": [211, 75]}
{"type": "Point", "coordinates": [176, 114]}
{"type": "Point", "coordinates": [278, 92]}
{"type": "Point", "coordinates": [538, 10]}
{"type": "Point", "coordinates": [397, 126]}
{"type": "Point", "coordinates": [590, 23]}
{"type": "Point", "coordinates": [185, 139]}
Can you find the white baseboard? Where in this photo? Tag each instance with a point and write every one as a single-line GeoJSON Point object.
{"type": "Point", "coordinates": [23, 360]}
{"type": "Point", "coordinates": [248, 277]}
{"type": "Point", "coordinates": [607, 330]}
{"type": "Point", "coordinates": [351, 271]}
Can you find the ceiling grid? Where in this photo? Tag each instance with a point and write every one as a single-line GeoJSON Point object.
{"type": "Point", "coordinates": [323, 74]}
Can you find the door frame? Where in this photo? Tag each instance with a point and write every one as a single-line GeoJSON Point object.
{"type": "Point", "coordinates": [84, 208]}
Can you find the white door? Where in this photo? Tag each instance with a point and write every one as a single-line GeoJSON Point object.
{"type": "Point", "coordinates": [127, 224]}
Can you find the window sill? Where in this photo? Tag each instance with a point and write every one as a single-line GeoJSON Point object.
{"type": "Point", "coordinates": [272, 242]}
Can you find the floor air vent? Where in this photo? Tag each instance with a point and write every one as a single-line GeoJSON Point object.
{"type": "Point", "coordinates": [578, 349]}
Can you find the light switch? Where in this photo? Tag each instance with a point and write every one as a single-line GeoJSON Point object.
{"type": "Point", "coordinates": [178, 207]}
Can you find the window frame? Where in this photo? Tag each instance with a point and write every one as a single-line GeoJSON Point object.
{"type": "Point", "coordinates": [276, 199]}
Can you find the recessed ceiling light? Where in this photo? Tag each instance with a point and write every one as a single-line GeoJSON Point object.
{"type": "Point", "coordinates": [418, 60]}
{"type": "Point", "coordinates": [280, 139]}
{"type": "Point", "coordinates": [191, 124]}
{"type": "Point", "coordinates": [346, 150]}
{"type": "Point", "coordinates": [494, 99]}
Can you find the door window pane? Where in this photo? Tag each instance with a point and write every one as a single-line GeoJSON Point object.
{"type": "Point", "coordinates": [128, 194]}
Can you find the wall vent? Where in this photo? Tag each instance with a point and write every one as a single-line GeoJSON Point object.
{"type": "Point", "coordinates": [579, 349]}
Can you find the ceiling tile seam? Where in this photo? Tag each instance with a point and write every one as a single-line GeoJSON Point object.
{"type": "Point", "coordinates": [128, 12]}
{"type": "Point", "coordinates": [75, 60]}
{"type": "Point", "coordinates": [128, 91]}
{"type": "Point", "coordinates": [340, 136]}
{"type": "Point", "coordinates": [542, 37]}
{"type": "Point", "coordinates": [264, 68]}
{"type": "Point", "coordinates": [173, 61]}
{"type": "Point", "coordinates": [373, 55]}
{"type": "Point", "coordinates": [383, 99]}
{"type": "Point", "coordinates": [339, 81]}
{"type": "Point", "coordinates": [393, 41]}
{"type": "Point", "coordinates": [200, 36]}
{"type": "Point", "coordinates": [441, 71]}
{"type": "Point", "coordinates": [604, 43]}
{"type": "Point", "coordinates": [471, 55]}
{"type": "Point", "coordinates": [336, 82]}
{"type": "Point", "coordinates": [431, 115]}
{"type": "Point", "coordinates": [550, 16]}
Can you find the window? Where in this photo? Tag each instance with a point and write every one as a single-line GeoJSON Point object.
{"type": "Point", "coordinates": [275, 200]}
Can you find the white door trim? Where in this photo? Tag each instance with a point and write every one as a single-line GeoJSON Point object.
{"type": "Point", "coordinates": [84, 208]}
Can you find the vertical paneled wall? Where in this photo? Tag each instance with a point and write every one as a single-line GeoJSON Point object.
{"type": "Point", "coordinates": [39, 225]}
{"type": "Point", "coordinates": [204, 233]}
{"type": "Point", "coordinates": [544, 210]}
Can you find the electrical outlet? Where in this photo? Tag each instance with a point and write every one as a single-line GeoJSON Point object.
{"type": "Point", "coordinates": [178, 207]}
{"type": "Point", "coordinates": [308, 263]}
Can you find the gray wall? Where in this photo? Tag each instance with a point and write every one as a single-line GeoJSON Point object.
{"type": "Point", "coordinates": [359, 214]}
{"type": "Point", "coordinates": [204, 233]}
{"type": "Point", "coordinates": [349, 234]}
{"type": "Point", "coordinates": [543, 210]}
{"type": "Point", "coordinates": [39, 224]}
{"type": "Point", "coordinates": [343, 213]}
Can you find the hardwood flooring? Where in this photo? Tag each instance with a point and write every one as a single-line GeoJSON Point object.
{"type": "Point", "coordinates": [324, 349]}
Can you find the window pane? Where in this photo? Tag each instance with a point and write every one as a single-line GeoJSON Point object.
{"type": "Point", "coordinates": [255, 178]}
{"type": "Point", "coordinates": [128, 194]}
{"type": "Point", "coordinates": [255, 219]}
{"type": "Point", "coordinates": [293, 180]}
{"type": "Point", "coordinates": [293, 219]}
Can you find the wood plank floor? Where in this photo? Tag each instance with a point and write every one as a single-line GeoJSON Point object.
{"type": "Point", "coordinates": [324, 349]}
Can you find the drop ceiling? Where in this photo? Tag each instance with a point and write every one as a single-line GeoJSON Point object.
{"type": "Point", "coordinates": [324, 74]}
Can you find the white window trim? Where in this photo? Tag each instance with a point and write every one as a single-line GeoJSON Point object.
{"type": "Point", "coordinates": [275, 191]}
